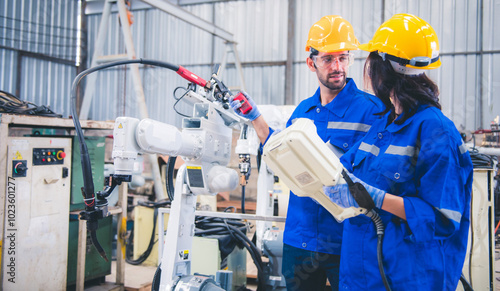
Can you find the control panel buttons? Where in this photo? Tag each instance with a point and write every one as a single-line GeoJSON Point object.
{"type": "Point", "coordinates": [48, 156]}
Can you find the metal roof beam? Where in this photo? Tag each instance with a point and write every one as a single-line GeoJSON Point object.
{"type": "Point", "coordinates": [182, 14]}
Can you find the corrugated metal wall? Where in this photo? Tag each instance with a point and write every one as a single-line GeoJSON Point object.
{"type": "Point", "coordinates": [468, 78]}
{"type": "Point", "coordinates": [38, 51]}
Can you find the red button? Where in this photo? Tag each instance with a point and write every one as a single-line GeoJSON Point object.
{"type": "Point", "coordinates": [61, 155]}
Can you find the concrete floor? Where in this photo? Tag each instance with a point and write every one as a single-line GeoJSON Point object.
{"type": "Point", "coordinates": [139, 278]}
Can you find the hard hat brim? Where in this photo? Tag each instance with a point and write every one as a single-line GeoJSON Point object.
{"type": "Point", "coordinates": [366, 47]}
{"type": "Point", "coordinates": [336, 48]}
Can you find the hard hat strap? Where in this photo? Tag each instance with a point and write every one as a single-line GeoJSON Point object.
{"type": "Point", "coordinates": [416, 62]}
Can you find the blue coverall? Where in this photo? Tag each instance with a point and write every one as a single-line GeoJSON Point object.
{"type": "Point", "coordinates": [343, 121]}
{"type": "Point", "coordinates": [424, 161]}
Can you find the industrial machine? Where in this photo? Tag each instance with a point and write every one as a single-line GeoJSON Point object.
{"type": "Point", "coordinates": [479, 265]}
{"type": "Point", "coordinates": [204, 143]}
{"type": "Point", "coordinates": [35, 240]}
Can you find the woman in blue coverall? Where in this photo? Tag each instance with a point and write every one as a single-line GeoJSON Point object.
{"type": "Point", "coordinates": [414, 165]}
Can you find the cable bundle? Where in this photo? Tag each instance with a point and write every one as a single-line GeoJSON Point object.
{"type": "Point", "coordinates": [482, 161]}
{"type": "Point", "coordinates": [9, 103]}
{"type": "Point", "coordinates": [234, 231]}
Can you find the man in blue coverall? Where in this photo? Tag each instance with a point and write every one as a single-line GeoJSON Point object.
{"type": "Point", "coordinates": [342, 114]}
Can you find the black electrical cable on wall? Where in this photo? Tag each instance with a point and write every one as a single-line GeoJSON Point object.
{"type": "Point", "coordinates": [10, 103]}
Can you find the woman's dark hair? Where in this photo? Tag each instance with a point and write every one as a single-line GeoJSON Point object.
{"type": "Point", "coordinates": [410, 90]}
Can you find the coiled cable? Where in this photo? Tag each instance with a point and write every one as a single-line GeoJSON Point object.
{"type": "Point", "coordinates": [152, 241]}
{"type": "Point", "coordinates": [207, 226]}
{"type": "Point", "coordinates": [10, 103]}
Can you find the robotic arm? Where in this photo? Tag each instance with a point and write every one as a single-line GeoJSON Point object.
{"type": "Point", "coordinates": [205, 145]}
{"type": "Point", "coordinates": [202, 144]}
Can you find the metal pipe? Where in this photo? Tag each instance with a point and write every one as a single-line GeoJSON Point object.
{"type": "Point", "coordinates": [484, 150]}
{"type": "Point", "coordinates": [289, 72]}
{"type": "Point", "coordinates": [478, 122]}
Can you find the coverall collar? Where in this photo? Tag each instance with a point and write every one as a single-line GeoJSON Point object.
{"type": "Point", "coordinates": [340, 103]}
{"type": "Point", "coordinates": [393, 127]}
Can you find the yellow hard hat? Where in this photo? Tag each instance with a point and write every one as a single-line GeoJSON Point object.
{"type": "Point", "coordinates": [330, 34]}
{"type": "Point", "coordinates": [408, 42]}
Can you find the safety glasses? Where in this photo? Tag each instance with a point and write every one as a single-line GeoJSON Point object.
{"type": "Point", "coordinates": [344, 60]}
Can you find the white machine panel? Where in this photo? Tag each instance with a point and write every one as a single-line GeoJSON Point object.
{"type": "Point", "coordinates": [35, 239]}
{"type": "Point", "coordinates": [479, 265]}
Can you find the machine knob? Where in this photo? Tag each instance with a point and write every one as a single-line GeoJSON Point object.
{"type": "Point", "coordinates": [20, 169]}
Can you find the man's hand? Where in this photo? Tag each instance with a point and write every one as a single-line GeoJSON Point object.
{"type": "Point", "coordinates": [252, 114]}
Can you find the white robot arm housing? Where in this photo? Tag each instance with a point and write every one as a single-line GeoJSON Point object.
{"type": "Point", "coordinates": [204, 144]}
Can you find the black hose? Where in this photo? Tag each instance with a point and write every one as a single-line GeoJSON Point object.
{"type": "Point", "coordinates": [88, 183]}
{"type": "Point", "coordinates": [206, 226]}
{"type": "Point", "coordinates": [147, 252]}
{"type": "Point", "coordinates": [170, 177]}
{"type": "Point", "coordinates": [98, 247]}
{"type": "Point", "coordinates": [465, 284]}
{"type": "Point", "coordinates": [379, 225]}
{"type": "Point", "coordinates": [86, 166]}
{"type": "Point", "coordinates": [481, 161]}
{"type": "Point", "coordinates": [243, 199]}
{"type": "Point", "coordinates": [364, 200]}
{"type": "Point", "coordinates": [252, 249]}
{"type": "Point", "coordinates": [152, 241]}
{"type": "Point", "coordinates": [155, 285]}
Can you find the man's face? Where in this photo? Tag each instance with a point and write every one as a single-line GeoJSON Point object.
{"type": "Point", "coordinates": [331, 68]}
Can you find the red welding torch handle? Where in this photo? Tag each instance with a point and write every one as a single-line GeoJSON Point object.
{"type": "Point", "coordinates": [245, 105]}
{"type": "Point", "coordinates": [183, 72]}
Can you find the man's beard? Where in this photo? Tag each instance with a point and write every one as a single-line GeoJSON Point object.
{"type": "Point", "coordinates": [334, 85]}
